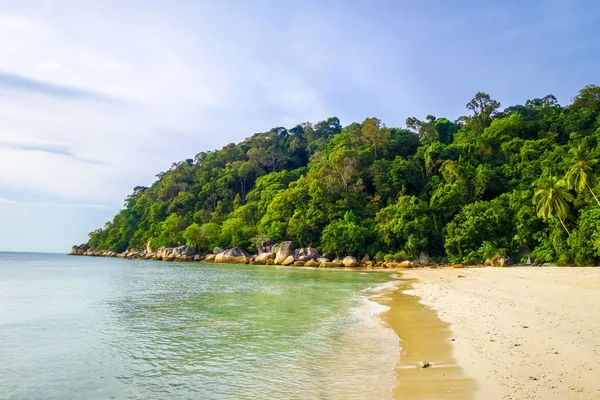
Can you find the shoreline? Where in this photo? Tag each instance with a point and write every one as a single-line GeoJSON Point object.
{"type": "Point", "coordinates": [520, 332]}
{"type": "Point", "coordinates": [423, 337]}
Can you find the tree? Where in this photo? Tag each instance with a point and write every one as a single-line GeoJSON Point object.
{"type": "Point", "coordinates": [345, 236]}
{"type": "Point", "coordinates": [581, 174]}
{"type": "Point", "coordinates": [404, 226]}
{"type": "Point", "coordinates": [552, 199]}
{"type": "Point", "coordinates": [483, 108]}
{"type": "Point", "coordinates": [374, 134]}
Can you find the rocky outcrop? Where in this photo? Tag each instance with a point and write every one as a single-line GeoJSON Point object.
{"type": "Point", "coordinates": [268, 254]}
{"type": "Point", "coordinates": [285, 251]}
{"type": "Point", "coordinates": [79, 250]}
{"type": "Point", "coordinates": [234, 255]}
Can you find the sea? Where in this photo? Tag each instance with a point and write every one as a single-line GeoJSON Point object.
{"type": "Point", "coordinates": [105, 328]}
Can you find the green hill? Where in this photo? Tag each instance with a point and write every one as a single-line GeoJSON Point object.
{"type": "Point", "coordinates": [514, 181]}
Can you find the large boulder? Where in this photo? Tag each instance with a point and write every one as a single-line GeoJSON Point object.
{"type": "Point", "coordinates": [285, 250]}
{"type": "Point", "coordinates": [184, 251]}
{"type": "Point", "coordinates": [306, 253]}
{"type": "Point", "coordinates": [350, 262]}
{"type": "Point", "coordinates": [263, 257]}
{"type": "Point", "coordinates": [288, 261]}
{"type": "Point", "coordinates": [266, 246]}
{"type": "Point", "coordinates": [210, 257]}
{"type": "Point", "coordinates": [234, 255]}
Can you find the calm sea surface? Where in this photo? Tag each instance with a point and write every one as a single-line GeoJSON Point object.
{"type": "Point", "coordinates": [98, 328]}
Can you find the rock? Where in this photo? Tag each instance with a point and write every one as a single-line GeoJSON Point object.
{"type": "Point", "coordinates": [457, 266]}
{"type": "Point", "coordinates": [424, 259]}
{"type": "Point", "coordinates": [288, 261]}
{"type": "Point", "coordinates": [330, 264]}
{"type": "Point", "coordinates": [285, 251]}
{"type": "Point", "coordinates": [311, 263]}
{"type": "Point", "coordinates": [488, 262]}
{"type": "Point", "coordinates": [306, 253]}
{"type": "Point", "coordinates": [365, 259]}
{"type": "Point", "coordinates": [405, 264]}
{"type": "Point", "coordinates": [148, 248]}
{"type": "Point", "coordinates": [266, 246]}
{"type": "Point", "coordinates": [234, 255]}
{"type": "Point", "coordinates": [218, 250]}
{"type": "Point", "coordinates": [328, 256]}
{"type": "Point", "coordinates": [299, 263]}
{"type": "Point", "coordinates": [264, 257]}
{"type": "Point", "coordinates": [500, 262]}
{"type": "Point", "coordinates": [210, 257]}
{"type": "Point", "coordinates": [79, 250]}
{"type": "Point", "coordinates": [197, 257]}
{"type": "Point", "coordinates": [423, 364]}
{"type": "Point", "coordinates": [322, 260]}
{"type": "Point", "coordinates": [350, 262]}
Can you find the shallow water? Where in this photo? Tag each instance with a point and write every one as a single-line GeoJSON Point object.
{"type": "Point", "coordinates": [97, 328]}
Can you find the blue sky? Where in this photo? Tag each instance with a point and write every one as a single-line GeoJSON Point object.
{"type": "Point", "coordinates": [97, 98]}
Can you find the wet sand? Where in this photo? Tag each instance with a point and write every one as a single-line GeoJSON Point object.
{"type": "Point", "coordinates": [424, 337]}
{"type": "Point", "coordinates": [519, 333]}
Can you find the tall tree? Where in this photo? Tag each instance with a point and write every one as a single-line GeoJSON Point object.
{"type": "Point", "coordinates": [552, 199]}
{"type": "Point", "coordinates": [484, 109]}
{"type": "Point", "coordinates": [581, 174]}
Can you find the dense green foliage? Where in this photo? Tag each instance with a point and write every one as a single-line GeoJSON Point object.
{"type": "Point", "coordinates": [514, 182]}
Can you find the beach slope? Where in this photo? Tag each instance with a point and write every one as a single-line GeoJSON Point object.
{"type": "Point", "coordinates": [520, 333]}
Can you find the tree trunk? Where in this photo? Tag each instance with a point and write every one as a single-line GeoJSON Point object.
{"type": "Point", "coordinates": [564, 226]}
{"type": "Point", "coordinates": [593, 194]}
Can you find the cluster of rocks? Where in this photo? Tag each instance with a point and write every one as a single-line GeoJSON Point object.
{"type": "Point", "coordinates": [269, 253]}
{"type": "Point", "coordinates": [85, 250]}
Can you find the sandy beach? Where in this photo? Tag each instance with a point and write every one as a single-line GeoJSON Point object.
{"type": "Point", "coordinates": [498, 333]}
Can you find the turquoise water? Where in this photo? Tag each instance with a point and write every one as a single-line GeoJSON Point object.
{"type": "Point", "coordinates": [97, 328]}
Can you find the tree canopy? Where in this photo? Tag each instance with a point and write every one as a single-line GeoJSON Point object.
{"type": "Point", "coordinates": [517, 181]}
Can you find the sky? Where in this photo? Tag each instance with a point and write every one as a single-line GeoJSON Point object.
{"type": "Point", "coordinates": [99, 97]}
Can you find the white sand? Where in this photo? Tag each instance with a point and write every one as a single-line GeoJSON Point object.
{"type": "Point", "coordinates": [521, 333]}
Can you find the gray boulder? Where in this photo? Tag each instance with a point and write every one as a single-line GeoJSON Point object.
{"type": "Point", "coordinates": [285, 250]}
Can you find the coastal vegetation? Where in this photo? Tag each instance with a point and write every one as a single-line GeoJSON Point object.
{"type": "Point", "coordinates": [518, 181]}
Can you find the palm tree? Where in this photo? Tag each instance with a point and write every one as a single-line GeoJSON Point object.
{"type": "Point", "coordinates": [552, 199]}
{"type": "Point", "coordinates": [581, 174]}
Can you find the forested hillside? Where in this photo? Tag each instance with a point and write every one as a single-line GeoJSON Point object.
{"type": "Point", "coordinates": [500, 181]}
